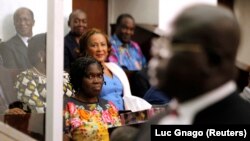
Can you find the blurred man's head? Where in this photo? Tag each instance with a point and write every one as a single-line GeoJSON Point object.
{"type": "Point", "coordinates": [125, 26]}
{"type": "Point", "coordinates": [78, 22]}
{"type": "Point", "coordinates": [24, 21]}
{"type": "Point", "coordinates": [202, 48]}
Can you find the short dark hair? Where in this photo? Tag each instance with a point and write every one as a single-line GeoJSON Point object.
{"type": "Point", "coordinates": [122, 16]}
{"type": "Point", "coordinates": [74, 12]}
{"type": "Point", "coordinates": [79, 70]}
{"type": "Point", "coordinates": [36, 44]}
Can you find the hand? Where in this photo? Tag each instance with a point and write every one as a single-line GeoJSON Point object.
{"type": "Point", "coordinates": [15, 111]}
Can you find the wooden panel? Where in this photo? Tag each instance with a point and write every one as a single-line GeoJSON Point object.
{"type": "Point", "coordinates": [96, 11]}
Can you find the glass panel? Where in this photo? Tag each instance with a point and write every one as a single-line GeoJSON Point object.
{"type": "Point", "coordinates": [23, 65]}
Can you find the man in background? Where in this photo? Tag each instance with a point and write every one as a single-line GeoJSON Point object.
{"type": "Point", "coordinates": [125, 52]}
{"type": "Point", "coordinates": [14, 51]}
{"type": "Point", "coordinates": [78, 25]}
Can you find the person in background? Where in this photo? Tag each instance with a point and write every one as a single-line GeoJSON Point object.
{"type": "Point", "coordinates": [116, 87]}
{"type": "Point", "coordinates": [197, 68]}
{"type": "Point", "coordinates": [87, 116]}
{"type": "Point", "coordinates": [15, 59]}
{"type": "Point", "coordinates": [125, 52]}
{"type": "Point", "coordinates": [31, 83]}
{"type": "Point", "coordinates": [15, 50]}
{"type": "Point", "coordinates": [78, 25]}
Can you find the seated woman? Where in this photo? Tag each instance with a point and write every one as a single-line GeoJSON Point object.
{"type": "Point", "coordinates": [87, 117]}
{"type": "Point", "coordinates": [116, 87]}
{"type": "Point", "coordinates": [31, 83]}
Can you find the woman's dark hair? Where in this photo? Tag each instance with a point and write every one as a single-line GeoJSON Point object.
{"type": "Point", "coordinates": [79, 70]}
{"type": "Point", "coordinates": [85, 39]}
{"type": "Point", "coordinates": [36, 44]}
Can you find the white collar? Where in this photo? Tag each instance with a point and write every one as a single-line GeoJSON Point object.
{"type": "Point", "coordinates": [24, 39]}
{"type": "Point", "coordinates": [187, 110]}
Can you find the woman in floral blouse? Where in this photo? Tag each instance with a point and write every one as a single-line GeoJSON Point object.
{"type": "Point", "coordinates": [31, 83]}
{"type": "Point", "coordinates": [88, 117]}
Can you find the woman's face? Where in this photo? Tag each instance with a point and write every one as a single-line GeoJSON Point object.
{"type": "Point", "coordinates": [93, 81]}
{"type": "Point", "coordinates": [97, 47]}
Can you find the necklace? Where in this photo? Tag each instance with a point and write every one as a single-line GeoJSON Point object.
{"type": "Point", "coordinates": [38, 72]}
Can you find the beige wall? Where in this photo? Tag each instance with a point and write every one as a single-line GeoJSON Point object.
{"type": "Point", "coordinates": [39, 9]}
{"type": "Point", "coordinates": [144, 11]}
{"type": "Point", "coordinates": [242, 10]}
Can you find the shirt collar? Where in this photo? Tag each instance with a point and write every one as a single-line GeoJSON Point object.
{"type": "Point", "coordinates": [188, 109]}
{"type": "Point", "coordinates": [118, 42]}
{"type": "Point", "coordinates": [24, 39]}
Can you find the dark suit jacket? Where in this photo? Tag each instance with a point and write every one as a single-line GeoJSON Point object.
{"type": "Point", "coordinates": [7, 83]}
{"type": "Point", "coordinates": [70, 45]}
{"type": "Point", "coordinates": [15, 54]}
{"type": "Point", "coordinates": [230, 110]}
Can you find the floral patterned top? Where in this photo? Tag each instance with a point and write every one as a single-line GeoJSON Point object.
{"type": "Point", "coordinates": [89, 121]}
{"type": "Point", "coordinates": [129, 56]}
{"type": "Point", "coordinates": [31, 89]}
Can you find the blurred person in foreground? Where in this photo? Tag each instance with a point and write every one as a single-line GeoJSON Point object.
{"type": "Point", "coordinates": [197, 68]}
{"type": "Point", "coordinates": [87, 116]}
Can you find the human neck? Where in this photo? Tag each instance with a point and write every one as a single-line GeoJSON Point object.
{"type": "Point", "coordinates": [40, 69]}
{"type": "Point", "coordinates": [106, 70]}
{"type": "Point", "coordinates": [86, 99]}
{"type": "Point", "coordinates": [77, 39]}
{"type": "Point", "coordinates": [28, 35]}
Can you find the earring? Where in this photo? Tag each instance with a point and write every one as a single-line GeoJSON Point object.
{"type": "Point", "coordinates": [41, 59]}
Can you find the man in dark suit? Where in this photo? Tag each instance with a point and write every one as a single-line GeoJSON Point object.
{"type": "Point", "coordinates": [14, 51]}
{"type": "Point", "coordinates": [78, 25]}
{"type": "Point", "coordinates": [197, 68]}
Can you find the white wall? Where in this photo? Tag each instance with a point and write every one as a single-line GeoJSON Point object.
{"type": "Point", "coordinates": [241, 8]}
{"type": "Point", "coordinates": [156, 12]}
{"type": "Point", "coordinates": [144, 11]}
{"type": "Point", "coordinates": [39, 8]}
{"type": "Point", "coordinates": [169, 9]}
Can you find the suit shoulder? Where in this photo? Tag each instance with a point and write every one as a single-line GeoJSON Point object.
{"type": "Point", "coordinates": [12, 41]}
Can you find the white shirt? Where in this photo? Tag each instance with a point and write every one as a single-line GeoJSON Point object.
{"type": "Point", "coordinates": [24, 39]}
{"type": "Point", "coordinates": [187, 110]}
{"type": "Point", "coordinates": [245, 94]}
